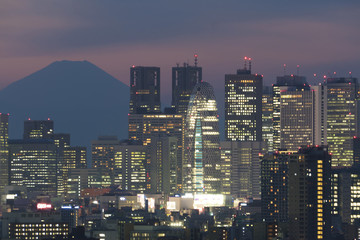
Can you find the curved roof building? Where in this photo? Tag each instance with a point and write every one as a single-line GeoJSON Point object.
{"type": "Point", "coordinates": [201, 166]}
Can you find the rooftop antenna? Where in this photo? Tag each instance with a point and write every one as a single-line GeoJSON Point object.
{"type": "Point", "coordinates": [245, 67]}
{"type": "Point", "coordinates": [284, 69]}
{"type": "Point", "coordinates": [196, 59]}
{"type": "Point", "coordinates": [297, 70]}
{"type": "Point", "coordinates": [250, 65]}
{"type": "Point", "coordinates": [350, 74]}
{"type": "Point", "coordinates": [177, 64]}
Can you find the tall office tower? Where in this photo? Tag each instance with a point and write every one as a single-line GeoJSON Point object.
{"type": "Point", "coordinates": [131, 160]}
{"type": "Point", "coordinates": [62, 141]}
{"type": "Point", "coordinates": [201, 162]}
{"type": "Point", "coordinates": [38, 129]}
{"type": "Point", "coordinates": [184, 80]}
{"type": "Point", "coordinates": [33, 164]}
{"type": "Point", "coordinates": [274, 187]}
{"type": "Point", "coordinates": [163, 152]}
{"type": "Point", "coordinates": [145, 127]}
{"type": "Point", "coordinates": [320, 114]}
{"type": "Point", "coordinates": [243, 110]}
{"type": "Point", "coordinates": [289, 93]}
{"type": "Point", "coordinates": [342, 119]}
{"type": "Point", "coordinates": [240, 168]}
{"type": "Point", "coordinates": [73, 157]}
{"type": "Point", "coordinates": [296, 188]}
{"type": "Point", "coordinates": [296, 117]}
{"type": "Point", "coordinates": [309, 198]}
{"type": "Point", "coordinates": [4, 151]}
{"type": "Point", "coordinates": [345, 193]}
{"type": "Point", "coordinates": [267, 117]}
{"type": "Point", "coordinates": [103, 155]}
{"type": "Point", "coordinates": [144, 90]}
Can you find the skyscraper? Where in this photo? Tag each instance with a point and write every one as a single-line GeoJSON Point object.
{"type": "Point", "coordinates": [38, 129]}
{"type": "Point", "coordinates": [296, 118]}
{"type": "Point", "coordinates": [293, 111]}
{"type": "Point", "coordinates": [184, 80]}
{"type": "Point", "coordinates": [283, 81]}
{"type": "Point", "coordinates": [309, 198]}
{"type": "Point", "coordinates": [103, 155]}
{"type": "Point", "coordinates": [33, 164]}
{"type": "Point", "coordinates": [274, 187]}
{"type": "Point", "coordinates": [296, 189]}
{"type": "Point", "coordinates": [320, 114]}
{"type": "Point", "coordinates": [144, 90]}
{"type": "Point", "coordinates": [4, 151]}
{"type": "Point", "coordinates": [342, 119]}
{"type": "Point", "coordinates": [241, 172]}
{"type": "Point", "coordinates": [163, 164]}
{"type": "Point", "coordinates": [72, 157]}
{"type": "Point", "coordinates": [267, 117]}
{"type": "Point", "coordinates": [243, 111]}
{"type": "Point", "coordinates": [201, 163]}
{"type": "Point", "coordinates": [148, 128]}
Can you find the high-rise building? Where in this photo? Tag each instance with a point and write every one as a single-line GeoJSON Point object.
{"type": "Point", "coordinates": [145, 127]}
{"type": "Point", "coordinates": [73, 157]}
{"type": "Point", "coordinates": [296, 117]}
{"type": "Point", "coordinates": [124, 162]}
{"type": "Point", "coordinates": [309, 198]}
{"type": "Point", "coordinates": [283, 81]}
{"type": "Point", "coordinates": [4, 151]}
{"type": "Point", "coordinates": [345, 193]}
{"type": "Point", "coordinates": [267, 117]}
{"type": "Point", "coordinates": [293, 113]}
{"type": "Point", "coordinates": [296, 189]}
{"type": "Point", "coordinates": [33, 164]}
{"type": "Point", "coordinates": [131, 167]}
{"type": "Point", "coordinates": [274, 187]}
{"type": "Point", "coordinates": [342, 119]}
{"type": "Point", "coordinates": [38, 129]}
{"type": "Point", "coordinates": [103, 155]}
{"type": "Point", "coordinates": [243, 110]}
{"type": "Point", "coordinates": [201, 162]}
{"type": "Point", "coordinates": [144, 90]}
{"type": "Point", "coordinates": [163, 173]}
{"type": "Point", "coordinates": [184, 80]}
{"type": "Point", "coordinates": [240, 168]}
{"type": "Point", "coordinates": [320, 114]}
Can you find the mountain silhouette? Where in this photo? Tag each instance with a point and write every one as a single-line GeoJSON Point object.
{"type": "Point", "coordinates": [79, 97]}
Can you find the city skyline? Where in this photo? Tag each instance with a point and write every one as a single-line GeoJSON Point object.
{"type": "Point", "coordinates": [282, 33]}
{"type": "Point", "coordinates": [179, 120]}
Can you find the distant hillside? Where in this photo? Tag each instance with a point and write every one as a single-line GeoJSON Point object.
{"type": "Point", "coordinates": [81, 98]}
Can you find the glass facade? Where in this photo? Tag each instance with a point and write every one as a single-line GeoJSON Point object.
{"type": "Point", "coordinates": [243, 110]}
{"type": "Point", "coordinates": [201, 162]}
{"type": "Point", "coordinates": [342, 119]}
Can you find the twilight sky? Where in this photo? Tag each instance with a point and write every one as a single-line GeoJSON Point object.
{"type": "Point", "coordinates": [321, 36]}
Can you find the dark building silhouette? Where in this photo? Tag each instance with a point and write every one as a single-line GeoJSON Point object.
{"type": "Point", "coordinates": [296, 188]}
{"type": "Point", "coordinates": [144, 90]}
{"type": "Point", "coordinates": [4, 151]}
{"type": "Point", "coordinates": [243, 107]}
{"type": "Point", "coordinates": [184, 80]}
{"type": "Point", "coordinates": [38, 129]}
